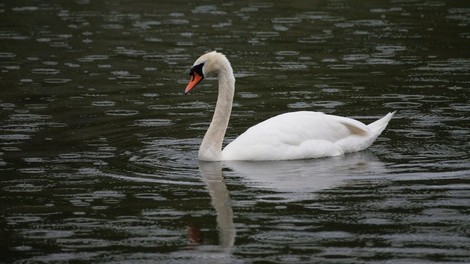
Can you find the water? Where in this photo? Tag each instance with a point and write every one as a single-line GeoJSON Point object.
{"type": "Point", "coordinates": [98, 144]}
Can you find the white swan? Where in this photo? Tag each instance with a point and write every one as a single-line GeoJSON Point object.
{"type": "Point", "coordinates": [296, 135]}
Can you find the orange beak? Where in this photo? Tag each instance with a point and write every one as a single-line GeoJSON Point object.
{"type": "Point", "coordinates": [195, 79]}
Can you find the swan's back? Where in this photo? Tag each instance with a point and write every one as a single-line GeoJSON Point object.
{"type": "Point", "coordinates": [303, 135]}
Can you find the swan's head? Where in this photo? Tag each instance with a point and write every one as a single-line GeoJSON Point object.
{"type": "Point", "coordinates": [210, 63]}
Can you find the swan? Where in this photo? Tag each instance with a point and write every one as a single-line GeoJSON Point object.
{"type": "Point", "coordinates": [289, 136]}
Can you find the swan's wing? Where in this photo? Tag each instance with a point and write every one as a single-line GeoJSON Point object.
{"type": "Point", "coordinates": [297, 134]}
{"type": "Point", "coordinates": [297, 127]}
{"type": "Point", "coordinates": [354, 126]}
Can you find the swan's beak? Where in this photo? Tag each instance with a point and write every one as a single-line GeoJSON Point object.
{"type": "Point", "coordinates": [195, 79]}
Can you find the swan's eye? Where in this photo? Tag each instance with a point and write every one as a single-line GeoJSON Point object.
{"type": "Point", "coordinates": [197, 69]}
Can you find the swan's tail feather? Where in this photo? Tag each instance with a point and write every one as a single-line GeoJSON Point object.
{"type": "Point", "coordinates": [378, 126]}
{"type": "Point", "coordinates": [360, 142]}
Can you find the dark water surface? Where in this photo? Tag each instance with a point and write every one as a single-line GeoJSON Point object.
{"type": "Point", "coordinates": [98, 144]}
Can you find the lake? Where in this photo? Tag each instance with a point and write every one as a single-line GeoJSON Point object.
{"type": "Point", "coordinates": [98, 142]}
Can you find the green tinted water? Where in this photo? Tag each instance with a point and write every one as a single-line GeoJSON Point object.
{"type": "Point", "coordinates": [98, 144]}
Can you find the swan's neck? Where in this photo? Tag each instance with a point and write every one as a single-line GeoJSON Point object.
{"type": "Point", "coordinates": [211, 146]}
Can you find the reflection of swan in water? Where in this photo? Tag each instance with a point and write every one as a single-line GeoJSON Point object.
{"type": "Point", "coordinates": [294, 180]}
{"type": "Point", "coordinates": [212, 177]}
{"type": "Point", "coordinates": [300, 178]}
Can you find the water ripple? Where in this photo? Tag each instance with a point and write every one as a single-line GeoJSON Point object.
{"type": "Point", "coordinates": [45, 71]}
{"type": "Point", "coordinates": [93, 58]}
{"type": "Point", "coordinates": [12, 35]}
{"type": "Point", "coordinates": [104, 103]}
{"type": "Point", "coordinates": [56, 81]}
{"type": "Point", "coordinates": [147, 24]}
{"type": "Point", "coordinates": [25, 9]}
{"type": "Point", "coordinates": [7, 55]}
{"type": "Point", "coordinates": [153, 122]}
{"type": "Point", "coordinates": [122, 112]}
{"type": "Point", "coordinates": [129, 52]}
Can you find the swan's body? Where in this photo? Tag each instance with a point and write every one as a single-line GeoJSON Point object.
{"type": "Point", "coordinates": [295, 135]}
